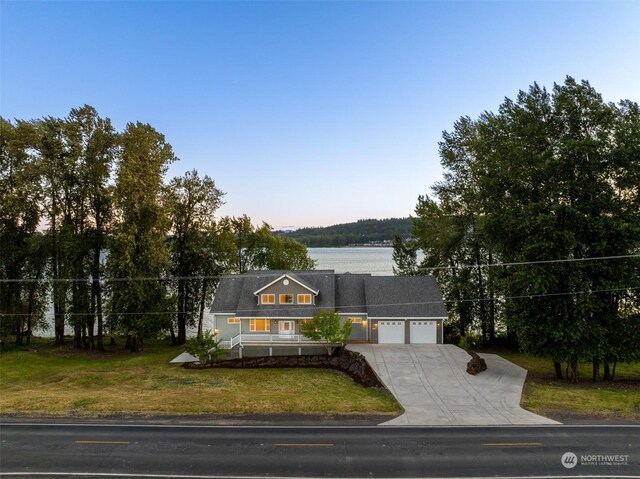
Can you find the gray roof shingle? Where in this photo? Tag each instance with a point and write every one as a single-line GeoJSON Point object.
{"type": "Point", "coordinates": [403, 297]}
{"type": "Point", "coordinates": [378, 296]}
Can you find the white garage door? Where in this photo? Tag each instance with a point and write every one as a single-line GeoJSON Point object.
{"type": "Point", "coordinates": [422, 332]}
{"type": "Point", "coordinates": [391, 332]}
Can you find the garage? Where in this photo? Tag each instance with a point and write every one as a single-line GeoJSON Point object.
{"type": "Point", "coordinates": [391, 332]}
{"type": "Point", "coordinates": [422, 332]}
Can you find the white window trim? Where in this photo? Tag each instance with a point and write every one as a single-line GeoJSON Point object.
{"type": "Point", "coordinates": [285, 294]}
{"type": "Point", "coordinates": [252, 325]}
{"type": "Point", "coordinates": [290, 278]}
{"type": "Point", "coordinates": [233, 320]}
{"type": "Point", "coordinates": [267, 294]}
{"type": "Point", "coordinates": [305, 294]}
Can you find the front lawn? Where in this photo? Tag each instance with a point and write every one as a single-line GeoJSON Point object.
{"type": "Point", "coordinates": [582, 401]}
{"type": "Point", "coordinates": [47, 380]}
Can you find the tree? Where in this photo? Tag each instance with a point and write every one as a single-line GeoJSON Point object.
{"type": "Point", "coordinates": [206, 347]}
{"type": "Point", "coordinates": [22, 249]}
{"type": "Point", "coordinates": [258, 248]}
{"type": "Point", "coordinates": [138, 253]}
{"type": "Point", "coordinates": [191, 203]}
{"type": "Point", "coordinates": [284, 253]}
{"type": "Point", "coordinates": [326, 328]}
{"type": "Point", "coordinates": [549, 176]}
{"type": "Point", "coordinates": [95, 148]}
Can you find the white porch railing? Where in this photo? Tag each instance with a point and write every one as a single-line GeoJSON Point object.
{"type": "Point", "coordinates": [265, 338]}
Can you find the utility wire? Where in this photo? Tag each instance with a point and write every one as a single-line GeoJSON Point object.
{"type": "Point", "coordinates": [310, 272]}
{"type": "Point", "coordinates": [312, 308]}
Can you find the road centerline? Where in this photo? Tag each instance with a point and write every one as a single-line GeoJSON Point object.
{"type": "Point", "coordinates": [301, 444]}
{"type": "Point", "coordinates": [101, 442]}
{"type": "Point", "coordinates": [512, 444]}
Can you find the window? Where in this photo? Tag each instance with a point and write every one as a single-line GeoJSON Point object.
{"type": "Point", "coordinates": [304, 299]}
{"type": "Point", "coordinates": [233, 321]}
{"type": "Point", "coordinates": [355, 320]}
{"type": "Point", "coordinates": [305, 321]}
{"type": "Point", "coordinates": [260, 325]}
{"type": "Point", "coordinates": [286, 299]}
{"type": "Point", "coordinates": [268, 299]}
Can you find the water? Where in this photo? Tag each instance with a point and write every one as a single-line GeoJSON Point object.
{"type": "Point", "coordinates": [377, 261]}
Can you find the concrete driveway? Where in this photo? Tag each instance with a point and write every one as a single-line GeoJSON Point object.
{"type": "Point", "coordinates": [431, 383]}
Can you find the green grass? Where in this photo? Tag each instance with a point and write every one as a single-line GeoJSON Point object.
{"type": "Point", "coordinates": [617, 400]}
{"type": "Point", "coordinates": [45, 380]}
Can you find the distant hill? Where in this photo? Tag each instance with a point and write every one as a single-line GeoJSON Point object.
{"type": "Point", "coordinates": [360, 233]}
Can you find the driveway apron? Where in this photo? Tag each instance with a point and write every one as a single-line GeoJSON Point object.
{"type": "Point", "coordinates": [431, 383]}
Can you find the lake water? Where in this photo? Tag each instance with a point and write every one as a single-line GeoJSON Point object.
{"type": "Point", "coordinates": [377, 261]}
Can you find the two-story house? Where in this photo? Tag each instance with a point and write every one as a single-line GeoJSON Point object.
{"type": "Point", "coordinates": [259, 313]}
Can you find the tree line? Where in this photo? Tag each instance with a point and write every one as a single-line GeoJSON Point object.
{"type": "Point", "coordinates": [551, 175]}
{"type": "Point", "coordinates": [359, 232]}
{"type": "Point", "coordinates": [89, 224]}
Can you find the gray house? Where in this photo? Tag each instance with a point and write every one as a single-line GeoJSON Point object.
{"type": "Point", "coordinates": [259, 313]}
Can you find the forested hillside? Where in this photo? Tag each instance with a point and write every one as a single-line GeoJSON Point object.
{"type": "Point", "coordinates": [370, 232]}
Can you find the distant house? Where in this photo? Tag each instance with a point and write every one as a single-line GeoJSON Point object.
{"type": "Point", "coordinates": [259, 313]}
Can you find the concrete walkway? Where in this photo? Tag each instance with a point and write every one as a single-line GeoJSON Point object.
{"type": "Point", "coordinates": [431, 383]}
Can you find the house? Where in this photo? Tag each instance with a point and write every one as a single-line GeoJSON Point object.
{"type": "Point", "coordinates": [259, 313]}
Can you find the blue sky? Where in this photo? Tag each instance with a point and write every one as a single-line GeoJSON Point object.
{"type": "Point", "coordinates": [307, 113]}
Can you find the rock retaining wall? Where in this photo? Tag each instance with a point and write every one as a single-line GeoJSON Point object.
{"type": "Point", "coordinates": [349, 362]}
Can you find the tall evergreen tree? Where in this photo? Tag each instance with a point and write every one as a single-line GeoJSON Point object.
{"type": "Point", "coordinates": [191, 202]}
{"type": "Point", "coordinates": [138, 252]}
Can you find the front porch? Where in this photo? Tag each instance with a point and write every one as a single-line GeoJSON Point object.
{"type": "Point", "coordinates": [266, 339]}
{"type": "Point", "coordinates": [265, 344]}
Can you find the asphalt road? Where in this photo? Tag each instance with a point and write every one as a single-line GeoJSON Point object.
{"type": "Point", "coordinates": [213, 451]}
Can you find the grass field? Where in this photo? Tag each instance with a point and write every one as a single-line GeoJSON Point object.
{"type": "Point", "coordinates": [584, 400]}
{"type": "Point", "coordinates": [47, 380]}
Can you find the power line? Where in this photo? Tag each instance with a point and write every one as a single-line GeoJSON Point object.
{"type": "Point", "coordinates": [519, 263]}
{"type": "Point", "coordinates": [311, 308]}
{"type": "Point", "coordinates": [309, 272]}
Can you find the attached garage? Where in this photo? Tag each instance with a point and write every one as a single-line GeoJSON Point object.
{"type": "Point", "coordinates": [391, 332]}
{"type": "Point", "coordinates": [423, 332]}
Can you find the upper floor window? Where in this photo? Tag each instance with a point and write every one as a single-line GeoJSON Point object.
{"type": "Point", "coordinates": [304, 299]}
{"type": "Point", "coordinates": [233, 321]}
{"type": "Point", "coordinates": [286, 299]}
{"type": "Point", "coordinates": [267, 299]}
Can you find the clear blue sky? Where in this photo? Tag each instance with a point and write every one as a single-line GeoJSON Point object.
{"type": "Point", "coordinates": [307, 113]}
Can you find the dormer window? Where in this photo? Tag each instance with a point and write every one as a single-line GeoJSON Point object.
{"type": "Point", "coordinates": [267, 299]}
{"type": "Point", "coordinates": [286, 299]}
{"type": "Point", "coordinates": [304, 299]}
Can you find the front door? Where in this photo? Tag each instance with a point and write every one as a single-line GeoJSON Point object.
{"type": "Point", "coordinates": [286, 327]}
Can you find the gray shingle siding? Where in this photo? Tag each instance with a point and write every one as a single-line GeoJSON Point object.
{"type": "Point", "coordinates": [377, 296]}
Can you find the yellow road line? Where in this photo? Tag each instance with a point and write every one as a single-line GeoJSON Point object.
{"type": "Point", "coordinates": [283, 444]}
{"type": "Point", "coordinates": [101, 442]}
{"type": "Point", "coordinates": [498, 444]}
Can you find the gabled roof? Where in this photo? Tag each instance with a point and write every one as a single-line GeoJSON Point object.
{"type": "Point", "coordinates": [377, 296]}
{"type": "Point", "coordinates": [292, 277]}
{"type": "Point", "coordinates": [239, 298]}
